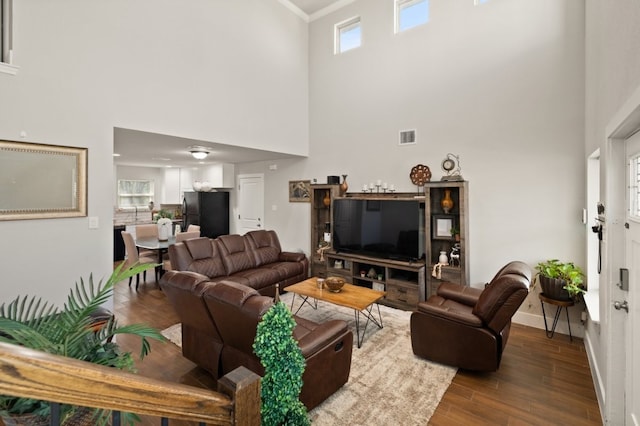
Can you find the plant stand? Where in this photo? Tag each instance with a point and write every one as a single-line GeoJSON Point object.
{"type": "Point", "coordinates": [560, 304]}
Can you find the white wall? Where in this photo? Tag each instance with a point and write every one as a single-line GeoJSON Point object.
{"type": "Point", "coordinates": [500, 84]}
{"type": "Point", "coordinates": [231, 72]}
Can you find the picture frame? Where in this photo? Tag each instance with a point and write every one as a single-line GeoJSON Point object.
{"type": "Point", "coordinates": [28, 193]}
{"type": "Point", "coordinates": [441, 227]}
{"type": "Point", "coordinates": [300, 191]}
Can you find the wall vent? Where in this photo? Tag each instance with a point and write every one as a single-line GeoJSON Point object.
{"type": "Point", "coordinates": [408, 137]}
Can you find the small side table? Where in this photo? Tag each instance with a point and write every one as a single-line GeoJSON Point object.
{"type": "Point", "coordinates": [560, 304]}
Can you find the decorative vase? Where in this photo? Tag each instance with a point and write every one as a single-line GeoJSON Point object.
{"type": "Point", "coordinates": [443, 258]}
{"type": "Point", "coordinates": [447, 202]}
{"type": "Point", "coordinates": [326, 200]}
{"type": "Point", "coordinates": [344, 185]}
{"type": "Point", "coordinates": [164, 228]}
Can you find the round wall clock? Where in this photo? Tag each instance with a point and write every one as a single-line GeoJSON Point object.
{"type": "Point", "coordinates": [420, 174]}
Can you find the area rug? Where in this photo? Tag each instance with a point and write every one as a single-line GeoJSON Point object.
{"type": "Point", "coordinates": [388, 384]}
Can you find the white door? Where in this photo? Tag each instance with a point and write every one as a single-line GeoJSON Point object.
{"type": "Point", "coordinates": [250, 202]}
{"type": "Point", "coordinates": [632, 245]}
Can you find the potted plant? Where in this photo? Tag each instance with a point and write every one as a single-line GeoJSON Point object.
{"type": "Point", "coordinates": [71, 331]}
{"type": "Point", "coordinates": [558, 280]}
{"type": "Point", "coordinates": [455, 233]}
{"type": "Point", "coordinates": [284, 365]}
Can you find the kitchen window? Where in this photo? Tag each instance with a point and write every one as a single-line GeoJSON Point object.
{"type": "Point", "coordinates": [135, 193]}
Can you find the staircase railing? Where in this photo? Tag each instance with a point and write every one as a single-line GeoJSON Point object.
{"type": "Point", "coordinates": [32, 374]}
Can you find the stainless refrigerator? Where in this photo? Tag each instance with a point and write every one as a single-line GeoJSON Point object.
{"type": "Point", "coordinates": [209, 210]}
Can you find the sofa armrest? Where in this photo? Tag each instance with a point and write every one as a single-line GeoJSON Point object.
{"type": "Point", "coordinates": [182, 279]}
{"type": "Point", "coordinates": [460, 293]}
{"type": "Point", "coordinates": [439, 307]}
{"type": "Point", "coordinates": [287, 256]}
{"type": "Point", "coordinates": [319, 337]}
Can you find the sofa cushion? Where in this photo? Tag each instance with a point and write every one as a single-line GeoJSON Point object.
{"type": "Point", "coordinates": [236, 253]}
{"type": "Point", "coordinates": [256, 278]}
{"type": "Point", "coordinates": [264, 245]}
{"type": "Point", "coordinates": [236, 310]}
{"type": "Point", "coordinates": [203, 257]}
{"type": "Point", "coordinates": [286, 269]}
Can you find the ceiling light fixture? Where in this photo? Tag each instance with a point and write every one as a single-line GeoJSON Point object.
{"type": "Point", "coordinates": [198, 152]}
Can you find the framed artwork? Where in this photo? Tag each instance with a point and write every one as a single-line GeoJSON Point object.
{"type": "Point", "coordinates": [28, 192]}
{"type": "Point", "coordinates": [299, 191]}
{"type": "Point", "coordinates": [441, 226]}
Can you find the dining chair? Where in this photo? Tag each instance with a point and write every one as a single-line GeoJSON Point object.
{"type": "Point", "coordinates": [193, 228]}
{"type": "Point", "coordinates": [147, 231]}
{"type": "Point", "coordinates": [133, 258]}
{"type": "Point", "coordinates": [180, 236]}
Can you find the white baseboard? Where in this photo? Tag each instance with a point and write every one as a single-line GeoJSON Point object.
{"type": "Point", "coordinates": [536, 321]}
{"type": "Point", "coordinates": [598, 382]}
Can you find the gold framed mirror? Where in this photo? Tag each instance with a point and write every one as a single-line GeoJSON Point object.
{"type": "Point", "coordinates": [42, 181]}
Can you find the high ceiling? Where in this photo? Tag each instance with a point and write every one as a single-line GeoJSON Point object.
{"type": "Point", "coordinates": [137, 148]}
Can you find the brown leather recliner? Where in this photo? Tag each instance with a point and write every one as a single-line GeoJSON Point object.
{"type": "Point", "coordinates": [468, 327]}
{"type": "Point", "coordinates": [219, 322]}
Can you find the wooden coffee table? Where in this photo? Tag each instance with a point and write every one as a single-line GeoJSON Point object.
{"type": "Point", "coordinates": [360, 299]}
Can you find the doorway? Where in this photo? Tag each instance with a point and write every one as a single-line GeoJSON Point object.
{"type": "Point", "coordinates": [622, 251]}
{"type": "Point", "coordinates": [250, 202]}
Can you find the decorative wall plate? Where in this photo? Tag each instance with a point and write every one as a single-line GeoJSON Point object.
{"type": "Point", "coordinates": [420, 174]}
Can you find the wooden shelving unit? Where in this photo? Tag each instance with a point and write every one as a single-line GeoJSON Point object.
{"type": "Point", "coordinates": [404, 282]}
{"type": "Point", "coordinates": [435, 214]}
{"type": "Point", "coordinates": [321, 218]}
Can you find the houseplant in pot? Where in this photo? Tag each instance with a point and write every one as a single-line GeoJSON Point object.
{"type": "Point", "coordinates": [284, 365]}
{"type": "Point", "coordinates": [560, 280]}
{"type": "Point", "coordinates": [71, 331]}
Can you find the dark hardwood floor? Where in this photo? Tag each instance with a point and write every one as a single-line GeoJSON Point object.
{"type": "Point", "coordinates": [541, 381]}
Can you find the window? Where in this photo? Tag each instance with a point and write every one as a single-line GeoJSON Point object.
{"type": "Point", "coordinates": [135, 193]}
{"type": "Point", "coordinates": [411, 13]}
{"type": "Point", "coordinates": [5, 31]}
{"type": "Point", "coordinates": [348, 35]}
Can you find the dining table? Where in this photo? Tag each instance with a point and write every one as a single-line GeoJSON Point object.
{"type": "Point", "coordinates": [161, 246]}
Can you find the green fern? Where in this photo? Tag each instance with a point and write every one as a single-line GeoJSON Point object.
{"type": "Point", "coordinates": [36, 324]}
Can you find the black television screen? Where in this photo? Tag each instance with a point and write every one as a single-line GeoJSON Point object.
{"type": "Point", "coordinates": [381, 228]}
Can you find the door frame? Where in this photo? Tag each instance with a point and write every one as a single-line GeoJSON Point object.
{"type": "Point", "coordinates": [623, 124]}
{"type": "Point", "coordinates": [238, 212]}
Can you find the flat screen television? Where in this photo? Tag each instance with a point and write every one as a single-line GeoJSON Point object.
{"type": "Point", "coordinates": [391, 229]}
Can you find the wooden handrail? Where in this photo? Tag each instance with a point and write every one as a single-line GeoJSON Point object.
{"type": "Point", "coordinates": [32, 374]}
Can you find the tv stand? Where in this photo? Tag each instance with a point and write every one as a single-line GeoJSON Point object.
{"type": "Point", "coordinates": [403, 281]}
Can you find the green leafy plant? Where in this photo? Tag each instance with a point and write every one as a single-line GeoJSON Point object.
{"type": "Point", "coordinates": [163, 214]}
{"type": "Point", "coordinates": [569, 272]}
{"type": "Point", "coordinates": [284, 364]}
{"type": "Point", "coordinates": [36, 324]}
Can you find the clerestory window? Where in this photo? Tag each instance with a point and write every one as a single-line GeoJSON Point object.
{"type": "Point", "coordinates": [348, 35]}
{"type": "Point", "coordinates": [410, 14]}
{"type": "Point", "coordinates": [5, 31]}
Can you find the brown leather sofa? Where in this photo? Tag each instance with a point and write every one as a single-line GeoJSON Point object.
{"type": "Point", "coordinates": [468, 327]}
{"type": "Point", "coordinates": [254, 259]}
{"type": "Point", "coordinates": [219, 321]}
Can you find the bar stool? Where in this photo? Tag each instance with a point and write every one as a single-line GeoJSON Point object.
{"type": "Point", "coordinates": [560, 304]}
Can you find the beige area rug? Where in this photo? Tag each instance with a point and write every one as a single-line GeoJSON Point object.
{"type": "Point", "coordinates": [387, 384]}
